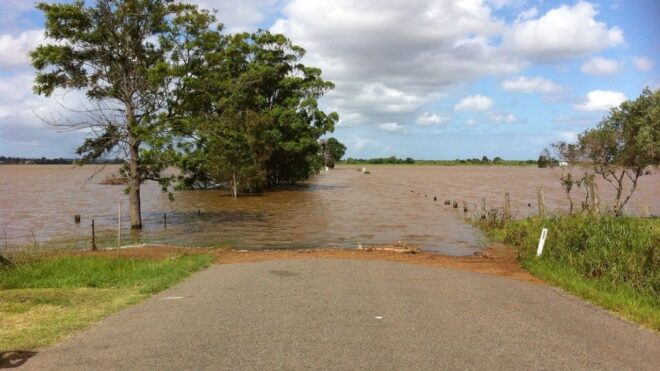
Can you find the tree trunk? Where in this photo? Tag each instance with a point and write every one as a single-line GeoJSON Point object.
{"type": "Point", "coordinates": [134, 175]}
{"type": "Point", "coordinates": [234, 185]}
{"type": "Point", "coordinates": [619, 190]}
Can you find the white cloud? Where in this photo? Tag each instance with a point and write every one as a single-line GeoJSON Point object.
{"type": "Point", "coordinates": [601, 100]}
{"type": "Point", "coordinates": [14, 49]}
{"type": "Point", "coordinates": [575, 120]}
{"type": "Point", "coordinates": [432, 118]}
{"type": "Point", "coordinates": [471, 122]}
{"type": "Point", "coordinates": [568, 136]}
{"type": "Point", "coordinates": [392, 127]}
{"type": "Point", "coordinates": [503, 117]}
{"type": "Point", "coordinates": [241, 15]}
{"type": "Point", "coordinates": [359, 143]}
{"type": "Point", "coordinates": [474, 103]}
{"type": "Point", "coordinates": [389, 76]}
{"type": "Point", "coordinates": [600, 66]}
{"type": "Point", "coordinates": [564, 32]}
{"type": "Point", "coordinates": [537, 84]}
{"type": "Point", "coordinates": [527, 14]}
{"type": "Point", "coordinates": [644, 64]}
{"type": "Point", "coordinates": [14, 15]}
{"type": "Point", "coordinates": [16, 97]}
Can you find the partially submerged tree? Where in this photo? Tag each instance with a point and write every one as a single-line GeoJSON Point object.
{"type": "Point", "coordinates": [545, 159]}
{"type": "Point", "coordinates": [234, 150]}
{"type": "Point", "coordinates": [569, 154]}
{"type": "Point", "coordinates": [256, 75]}
{"type": "Point", "coordinates": [119, 53]}
{"type": "Point", "coordinates": [625, 144]}
{"type": "Point", "coordinates": [333, 150]}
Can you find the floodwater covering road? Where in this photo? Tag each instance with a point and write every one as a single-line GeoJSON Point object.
{"type": "Point", "coordinates": [339, 208]}
{"type": "Point", "coordinates": [350, 314]}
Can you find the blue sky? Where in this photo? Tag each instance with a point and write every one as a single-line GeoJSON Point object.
{"type": "Point", "coordinates": [433, 79]}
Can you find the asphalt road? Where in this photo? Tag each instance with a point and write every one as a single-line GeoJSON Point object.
{"type": "Point", "coordinates": [342, 315]}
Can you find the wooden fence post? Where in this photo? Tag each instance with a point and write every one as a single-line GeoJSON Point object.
{"type": "Point", "coordinates": [507, 207]}
{"type": "Point", "coordinates": [93, 236]}
{"type": "Point", "coordinates": [541, 202]}
{"type": "Point", "coordinates": [483, 208]}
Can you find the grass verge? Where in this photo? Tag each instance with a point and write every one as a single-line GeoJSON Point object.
{"type": "Point", "coordinates": [611, 262]}
{"type": "Point", "coordinates": [44, 299]}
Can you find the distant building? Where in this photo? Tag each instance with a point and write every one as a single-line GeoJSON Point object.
{"type": "Point", "coordinates": [563, 163]}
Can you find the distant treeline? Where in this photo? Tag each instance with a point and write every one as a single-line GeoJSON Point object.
{"type": "Point", "coordinates": [410, 161]}
{"type": "Point", "coordinates": [52, 161]}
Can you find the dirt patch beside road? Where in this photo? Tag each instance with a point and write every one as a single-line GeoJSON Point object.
{"type": "Point", "coordinates": [497, 260]}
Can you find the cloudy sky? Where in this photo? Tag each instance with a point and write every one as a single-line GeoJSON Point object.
{"type": "Point", "coordinates": [433, 79]}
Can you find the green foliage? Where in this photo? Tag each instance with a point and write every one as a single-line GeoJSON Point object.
{"type": "Point", "coordinates": [625, 144]}
{"type": "Point", "coordinates": [261, 84]}
{"type": "Point", "coordinates": [333, 150]}
{"type": "Point", "coordinates": [392, 160]}
{"type": "Point", "coordinates": [235, 148]}
{"type": "Point", "coordinates": [411, 161]}
{"type": "Point", "coordinates": [121, 54]}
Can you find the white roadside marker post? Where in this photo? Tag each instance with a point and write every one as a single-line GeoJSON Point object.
{"type": "Point", "coordinates": [544, 234]}
{"type": "Point", "coordinates": [119, 226]}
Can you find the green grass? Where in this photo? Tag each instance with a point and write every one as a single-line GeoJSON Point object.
{"type": "Point", "coordinates": [146, 275]}
{"type": "Point", "coordinates": [612, 262]}
{"type": "Point", "coordinates": [43, 300]}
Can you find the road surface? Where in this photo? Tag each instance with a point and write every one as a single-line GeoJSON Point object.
{"type": "Point", "coordinates": [343, 315]}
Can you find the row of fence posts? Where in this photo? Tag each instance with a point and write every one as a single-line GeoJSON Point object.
{"type": "Point", "coordinates": [77, 219]}
{"type": "Point", "coordinates": [593, 204]}
{"type": "Point", "coordinates": [507, 215]}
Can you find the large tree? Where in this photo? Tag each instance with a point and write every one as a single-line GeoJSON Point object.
{"type": "Point", "coordinates": [121, 54]}
{"type": "Point", "coordinates": [259, 77]}
{"type": "Point", "coordinates": [625, 145]}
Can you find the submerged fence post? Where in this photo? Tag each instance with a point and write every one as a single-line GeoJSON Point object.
{"type": "Point", "coordinates": [507, 207]}
{"type": "Point", "coordinates": [93, 236]}
{"type": "Point", "coordinates": [483, 208]}
{"type": "Point", "coordinates": [541, 202]}
{"type": "Point", "coordinates": [164, 220]}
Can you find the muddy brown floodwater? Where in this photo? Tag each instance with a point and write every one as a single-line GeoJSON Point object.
{"type": "Point", "coordinates": [339, 208]}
